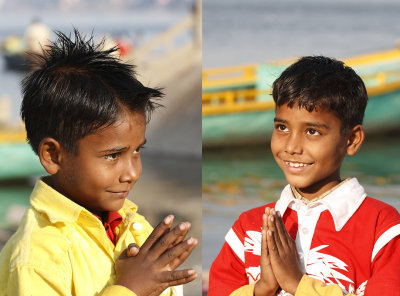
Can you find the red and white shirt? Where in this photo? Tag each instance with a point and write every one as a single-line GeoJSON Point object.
{"type": "Point", "coordinates": [346, 238]}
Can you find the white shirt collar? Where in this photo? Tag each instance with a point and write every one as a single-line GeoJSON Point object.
{"type": "Point", "coordinates": [341, 202]}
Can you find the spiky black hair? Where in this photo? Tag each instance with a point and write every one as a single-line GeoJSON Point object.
{"type": "Point", "coordinates": [77, 87]}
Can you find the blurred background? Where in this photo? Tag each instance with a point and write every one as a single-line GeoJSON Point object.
{"type": "Point", "coordinates": [163, 39]}
{"type": "Point", "coordinates": [246, 45]}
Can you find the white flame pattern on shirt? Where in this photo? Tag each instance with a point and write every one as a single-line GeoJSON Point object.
{"type": "Point", "coordinates": [252, 242]}
{"type": "Point", "coordinates": [319, 265]}
{"type": "Point", "coordinates": [322, 266]}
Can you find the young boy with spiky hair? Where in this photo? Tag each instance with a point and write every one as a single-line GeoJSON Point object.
{"type": "Point", "coordinates": [85, 116]}
{"type": "Point", "coordinates": [323, 236]}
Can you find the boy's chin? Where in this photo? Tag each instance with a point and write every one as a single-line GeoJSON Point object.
{"type": "Point", "coordinates": [298, 182]}
{"type": "Point", "coordinates": [113, 207]}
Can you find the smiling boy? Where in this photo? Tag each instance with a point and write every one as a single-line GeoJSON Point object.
{"type": "Point", "coordinates": [323, 236]}
{"type": "Point", "coordinates": [85, 115]}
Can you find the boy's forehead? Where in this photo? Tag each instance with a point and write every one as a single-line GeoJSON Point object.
{"type": "Point", "coordinates": [128, 130]}
{"type": "Point", "coordinates": [318, 114]}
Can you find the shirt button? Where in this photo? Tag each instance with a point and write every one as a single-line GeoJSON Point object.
{"type": "Point", "coordinates": [304, 230]}
{"type": "Point", "coordinates": [298, 207]}
{"type": "Point", "coordinates": [137, 226]}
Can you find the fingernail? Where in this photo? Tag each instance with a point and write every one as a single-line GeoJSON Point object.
{"type": "Point", "coordinates": [133, 249]}
{"type": "Point", "coordinates": [190, 241]}
{"type": "Point", "coordinates": [182, 226]}
{"type": "Point", "coordinates": [168, 219]}
{"type": "Point", "coordinates": [273, 211]}
{"type": "Point", "coordinates": [191, 271]}
{"type": "Point", "coordinates": [272, 218]}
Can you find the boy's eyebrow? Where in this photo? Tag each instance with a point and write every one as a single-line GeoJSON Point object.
{"type": "Point", "coordinates": [122, 148]}
{"type": "Point", "coordinates": [319, 125]}
{"type": "Point", "coordinates": [277, 119]}
{"type": "Point", "coordinates": [115, 150]}
{"type": "Point", "coordinates": [311, 124]}
{"type": "Point", "coordinates": [143, 143]}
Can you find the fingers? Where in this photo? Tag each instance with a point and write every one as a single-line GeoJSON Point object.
{"type": "Point", "coordinates": [282, 233]}
{"type": "Point", "coordinates": [272, 246]}
{"type": "Point", "coordinates": [272, 219]}
{"type": "Point", "coordinates": [179, 277]}
{"type": "Point", "coordinates": [158, 232]}
{"type": "Point", "coordinates": [132, 250]}
{"type": "Point", "coordinates": [264, 247]}
{"type": "Point", "coordinates": [169, 239]}
{"type": "Point", "coordinates": [182, 235]}
{"type": "Point", "coordinates": [178, 254]}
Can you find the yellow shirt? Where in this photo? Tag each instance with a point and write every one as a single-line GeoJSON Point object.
{"type": "Point", "coordinates": [308, 286]}
{"type": "Point", "coordinates": [60, 248]}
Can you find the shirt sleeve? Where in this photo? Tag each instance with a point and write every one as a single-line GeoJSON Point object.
{"type": "Point", "coordinates": [123, 291]}
{"type": "Point", "coordinates": [246, 290]}
{"type": "Point", "coordinates": [309, 286]}
{"type": "Point", "coordinates": [28, 280]}
{"type": "Point", "coordinates": [117, 290]}
{"type": "Point", "coordinates": [386, 271]}
{"type": "Point", "coordinates": [227, 273]}
{"type": "Point", "coordinates": [385, 277]}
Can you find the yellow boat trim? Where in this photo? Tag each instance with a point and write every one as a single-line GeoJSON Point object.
{"type": "Point", "coordinates": [236, 101]}
{"type": "Point", "coordinates": [244, 75]}
{"type": "Point", "coordinates": [229, 76]}
{"type": "Point", "coordinates": [7, 136]}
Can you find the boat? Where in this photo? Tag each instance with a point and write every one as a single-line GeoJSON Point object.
{"type": "Point", "coordinates": [13, 51]}
{"type": "Point", "coordinates": [238, 108]}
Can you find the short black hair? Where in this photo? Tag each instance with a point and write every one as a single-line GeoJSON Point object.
{"type": "Point", "coordinates": [320, 82]}
{"type": "Point", "coordinates": [77, 87]}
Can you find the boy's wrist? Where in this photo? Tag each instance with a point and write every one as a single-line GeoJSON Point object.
{"type": "Point", "coordinates": [260, 289]}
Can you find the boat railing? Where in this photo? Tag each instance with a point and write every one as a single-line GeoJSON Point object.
{"type": "Point", "coordinates": [229, 77]}
{"type": "Point", "coordinates": [251, 99]}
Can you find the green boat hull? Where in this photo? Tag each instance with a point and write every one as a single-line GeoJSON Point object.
{"type": "Point", "coordinates": [250, 128]}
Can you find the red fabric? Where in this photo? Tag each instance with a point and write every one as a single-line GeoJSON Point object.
{"type": "Point", "coordinates": [353, 245]}
{"type": "Point", "coordinates": [113, 220]}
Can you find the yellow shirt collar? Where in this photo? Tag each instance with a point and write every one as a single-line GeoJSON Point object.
{"type": "Point", "coordinates": [59, 208]}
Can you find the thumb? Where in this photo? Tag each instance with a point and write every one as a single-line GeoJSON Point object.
{"type": "Point", "coordinates": [132, 250]}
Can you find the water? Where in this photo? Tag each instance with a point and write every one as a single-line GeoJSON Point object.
{"type": "Point", "coordinates": [239, 32]}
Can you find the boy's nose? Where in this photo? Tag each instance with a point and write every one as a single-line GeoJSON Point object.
{"type": "Point", "coordinates": [132, 171]}
{"type": "Point", "coordinates": [294, 144]}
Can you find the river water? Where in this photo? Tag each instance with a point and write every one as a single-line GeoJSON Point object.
{"type": "Point", "coordinates": [240, 32]}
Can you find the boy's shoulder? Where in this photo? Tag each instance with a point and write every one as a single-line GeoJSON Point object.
{"type": "Point", "coordinates": [36, 243]}
{"type": "Point", "coordinates": [384, 214]}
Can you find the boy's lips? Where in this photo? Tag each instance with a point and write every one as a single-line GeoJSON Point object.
{"type": "Point", "coordinates": [296, 167]}
{"type": "Point", "coordinates": [122, 194]}
{"type": "Point", "coordinates": [297, 164]}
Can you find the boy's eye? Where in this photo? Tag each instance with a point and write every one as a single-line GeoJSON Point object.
{"type": "Point", "coordinates": [139, 149]}
{"type": "Point", "coordinates": [313, 132]}
{"type": "Point", "coordinates": [113, 156]}
{"type": "Point", "coordinates": [281, 127]}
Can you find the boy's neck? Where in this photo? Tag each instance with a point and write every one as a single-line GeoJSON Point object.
{"type": "Point", "coordinates": [308, 198]}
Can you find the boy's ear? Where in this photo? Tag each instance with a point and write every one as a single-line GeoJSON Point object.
{"type": "Point", "coordinates": [355, 139]}
{"type": "Point", "coordinates": [50, 155]}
